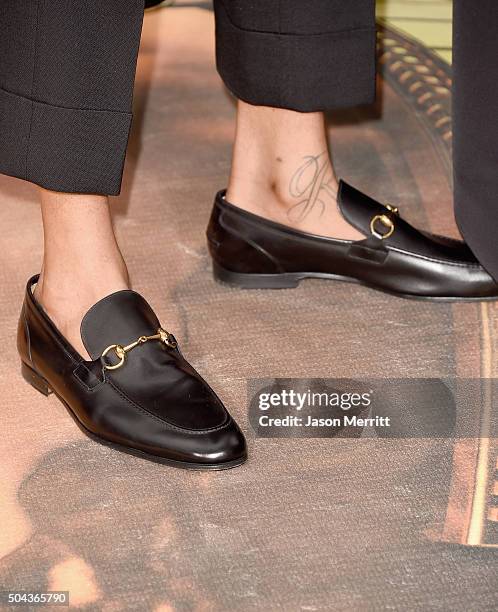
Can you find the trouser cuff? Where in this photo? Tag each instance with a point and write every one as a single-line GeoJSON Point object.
{"type": "Point", "coordinates": [62, 149]}
{"type": "Point", "coordinates": [295, 71]}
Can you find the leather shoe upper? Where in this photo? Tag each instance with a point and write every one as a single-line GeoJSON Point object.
{"type": "Point", "coordinates": [154, 401]}
{"type": "Point", "coordinates": [394, 257]}
{"type": "Point", "coordinates": [154, 375]}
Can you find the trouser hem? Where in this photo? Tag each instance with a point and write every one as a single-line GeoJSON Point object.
{"type": "Point", "coordinates": [62, 149]}
{"type": "Point", "coordinates": [299, 72]}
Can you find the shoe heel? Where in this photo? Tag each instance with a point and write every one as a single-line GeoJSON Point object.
{"type": "Point", "coordinates": [35, 380]}
{"type": "Point", "coordinates": [256, 281]}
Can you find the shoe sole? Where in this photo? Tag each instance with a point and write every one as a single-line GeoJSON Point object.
{"type": "Point", "coordinates": [40, 384]}
{"type": "Point", "coordinates": [290, 280]}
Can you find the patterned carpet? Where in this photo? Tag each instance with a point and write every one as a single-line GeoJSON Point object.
{"type": "Point", "coordinates": [309, 524]}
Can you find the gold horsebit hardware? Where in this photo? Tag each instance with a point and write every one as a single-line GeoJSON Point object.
{"type": "Point", "coordinates": [386, 221]}
{"type": "Point", "coordinates": [121, 351]}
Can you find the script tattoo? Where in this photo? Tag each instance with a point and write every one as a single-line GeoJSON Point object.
{"type": "Point", "coordinates": [310, 185]}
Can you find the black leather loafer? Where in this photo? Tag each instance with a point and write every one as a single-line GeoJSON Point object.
{"type": "Point", "coordinates": [137, 393]}
{"type": "Point", "coordinates": [252, 252]}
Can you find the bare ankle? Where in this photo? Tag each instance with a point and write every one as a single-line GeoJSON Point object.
{"type": "Point", "coordinates": [302, 187]}
{"type": "Point", "coordinates": [281, 170]}
{"type": "Point", "coordinates": [303, 197]}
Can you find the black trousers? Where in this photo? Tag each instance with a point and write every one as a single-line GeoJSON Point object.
{"type": "Point", "coordinates": [67, 69]}
{"type": "Point", "coordinates": [475, 127]}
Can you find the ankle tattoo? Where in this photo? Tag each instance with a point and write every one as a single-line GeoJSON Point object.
{"type": "Point", "coordinates": [312, 185]}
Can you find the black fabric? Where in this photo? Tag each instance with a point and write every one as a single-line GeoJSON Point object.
{"type": "Point", "coordinates": [67, 70]}
{"type": "Point", "coordinates": [475, 126]}
{"type": "Point", "coordinates": [305, 56]}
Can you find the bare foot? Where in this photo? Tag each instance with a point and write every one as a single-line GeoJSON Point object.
{"type": "Point", "coordinates": [67, 303]}
{"type": "Point", "coordinates": [82, 262]}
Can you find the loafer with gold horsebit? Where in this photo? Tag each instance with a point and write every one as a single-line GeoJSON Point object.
{"type": "Point", "coordinates": [252, 252]}
{"type": "Point", "coordinates": [137, 393]}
